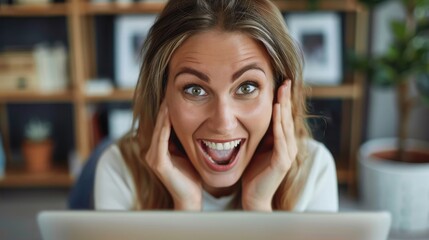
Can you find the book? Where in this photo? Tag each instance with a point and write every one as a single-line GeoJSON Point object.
{"type": "Point", "coordinates": [51, 65]}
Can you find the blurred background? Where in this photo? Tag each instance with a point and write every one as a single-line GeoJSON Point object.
{"type": "Point", "coordinates": [68, 68]}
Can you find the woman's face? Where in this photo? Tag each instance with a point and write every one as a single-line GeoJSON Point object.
{"type": "Point", "coordinates": [219, 97]}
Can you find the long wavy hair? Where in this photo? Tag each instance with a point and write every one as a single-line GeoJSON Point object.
{"type": "Point", "coordinates": [180, 19]}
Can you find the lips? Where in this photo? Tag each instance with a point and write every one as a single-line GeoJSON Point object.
{"type": "Point", "coordinates": [220, 155]}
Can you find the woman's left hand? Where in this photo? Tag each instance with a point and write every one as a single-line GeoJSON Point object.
{"type": "Point", "coordinates": [273, 158]}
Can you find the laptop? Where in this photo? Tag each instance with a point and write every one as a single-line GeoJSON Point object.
{"type": "Point", "coordinates": [163, 225]}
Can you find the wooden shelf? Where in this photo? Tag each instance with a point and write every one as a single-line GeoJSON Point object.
{"type": "Point", "coordinates": [116, 95]}
{"type": "Point", "coordinates": [118, 8]}
{"type": "Point", "coordinates": [58, 177]}
{"type": "Point", "coordinates": [346, 91]}
{"type": "Point", "coordinates": [32, 96]}
{"type": "Point", "coordinates": [325, 5]}
{"type": "Point", "coordinates": [46, 10]}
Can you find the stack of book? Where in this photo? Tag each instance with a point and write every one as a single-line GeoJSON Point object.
{"type": "Point", "coordinates": [42, 69]}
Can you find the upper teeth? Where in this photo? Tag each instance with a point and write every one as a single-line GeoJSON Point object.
{"type": "Point", "coordinates": [222, 146]}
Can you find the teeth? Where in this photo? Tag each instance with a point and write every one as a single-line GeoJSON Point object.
{"type": "Point", "coordinates": [222, 146]}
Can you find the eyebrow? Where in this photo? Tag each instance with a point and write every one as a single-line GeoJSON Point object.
{"type": "Point", "coordinates": [204, 77]}
{"type": "Point", "coordinates": [252, 66]}
{"type": "Point", "coordinates": [192, 71]}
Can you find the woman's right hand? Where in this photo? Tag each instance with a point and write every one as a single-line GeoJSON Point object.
{"type": "Point", "coordinates": [175, 171]}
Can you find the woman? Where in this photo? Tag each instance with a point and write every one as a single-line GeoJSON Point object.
{"type": "Point", "coordinates": [220, 114]}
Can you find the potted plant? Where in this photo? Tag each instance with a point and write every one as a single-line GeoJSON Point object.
{"type": "Point", "coordinates": [37, 146]}
{"type": "Point", "coordinates": [394, 172]}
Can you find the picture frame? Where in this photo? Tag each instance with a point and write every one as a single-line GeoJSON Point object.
{"type": "Point", "coordinates": [130, 33]}
{"type": "Point", "coordinates": [319, 37]}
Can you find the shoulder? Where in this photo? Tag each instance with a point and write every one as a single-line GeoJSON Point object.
{"type": "Point", "coordinates": [112, 158]}
{"type": "Point", "coordinates": [114, 185]}
{"type": "Point", "coordinates": [317, 156]}
{"type": "Point", "coordinates": [112, 164]}
{"type": "Point", "coordinates": [320, 190]}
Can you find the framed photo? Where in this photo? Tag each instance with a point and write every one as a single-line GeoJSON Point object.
{"type": "Point", "coordinates": [130, 33]}
{"type": "Point", "coordinates": [320, 40]}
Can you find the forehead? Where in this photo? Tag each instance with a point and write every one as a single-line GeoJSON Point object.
{"type": "Point", "coordinates": [220, 47]}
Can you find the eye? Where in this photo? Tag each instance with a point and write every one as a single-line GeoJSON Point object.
{"type": "Point", "coordinates": [194, 90]}
{"type": "Point", "coordinates": [247, 88]}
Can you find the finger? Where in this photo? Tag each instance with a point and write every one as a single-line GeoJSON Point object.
{"type": "Point", "coordinates": [160, 121]}
{"type": "Point", "coordinates": [278, 132]}
{"type": "Point", "coordinates": [284, 94]}
{"type": "Point", "coordinates": [280, 147]}
{"type": "Point", "coordinates": [287, 118]}
{"type": "Point", "coordinates": [164, 136]}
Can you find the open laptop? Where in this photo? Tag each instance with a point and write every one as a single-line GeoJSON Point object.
{"type": "Point", "coordinates": [96, 225]}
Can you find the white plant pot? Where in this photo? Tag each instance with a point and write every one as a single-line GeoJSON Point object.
{"type": "Point", "coordinates": [400, 188]}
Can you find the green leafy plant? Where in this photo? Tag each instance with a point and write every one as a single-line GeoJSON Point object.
{"type": "Point", "coordinates": [405, 62]}
{"type": "Point", "coordinates": [37, 130]}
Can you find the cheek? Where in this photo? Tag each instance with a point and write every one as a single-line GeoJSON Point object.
{"type": "Point", "coordinates": [184, 119]}
{"type": "Point", "coordinates": [256, 117]}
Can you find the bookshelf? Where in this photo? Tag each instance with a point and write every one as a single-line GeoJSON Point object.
{"type": "Point", "coordinates": [80, 23]}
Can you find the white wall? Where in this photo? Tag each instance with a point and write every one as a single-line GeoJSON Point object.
{"type": "Point", "coordinates": [382, 112]}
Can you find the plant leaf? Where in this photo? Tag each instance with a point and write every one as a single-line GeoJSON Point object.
{"type": "Point", "coordinates": [383, 74]}
{"type": "Point", "coordinates": [399, 29]}
{"type": "Point", "coordinates": [422, 3]}
{"type": "Point", "coordinates": [423, 26]}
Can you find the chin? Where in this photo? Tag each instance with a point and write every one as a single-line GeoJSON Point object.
{"type": "Point", "coordinates": [221, 181]}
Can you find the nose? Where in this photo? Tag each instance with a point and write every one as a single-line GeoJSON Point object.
{"type": "Point", "coordinates": [222, 119]}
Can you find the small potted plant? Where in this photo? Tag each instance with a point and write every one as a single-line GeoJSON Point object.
{"type": "Point", "coordinates": [394, 172]}
{"type": "Point", "coordinates": [37, 146]}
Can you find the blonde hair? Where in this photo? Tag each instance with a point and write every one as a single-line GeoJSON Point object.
{"type": "Point", "coordinates": [259, 19]}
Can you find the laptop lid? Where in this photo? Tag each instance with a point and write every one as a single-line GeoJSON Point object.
{"type": "Point", "coordinates": [101, 225]}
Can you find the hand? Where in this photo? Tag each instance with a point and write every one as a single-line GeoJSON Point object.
{"type": "Point", "coordinates": [273, 158]}
{"type": "Point", "coordinates": [175, 171]}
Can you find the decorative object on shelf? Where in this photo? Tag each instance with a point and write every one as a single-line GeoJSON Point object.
{"type": "Point", "coordinates": [32, 2]}
{"type": "Point", "coordinates": [51, 62]}
{"type": "Point", "coordinates": [37, 146]}
{"type": "Point", "coordinates": [394, 172]}
{"type": "Point", "coordinates": [100, 86]}
{"type": "Point", "coordinates": [42, 69]}
{"type": "Point", "coordinates": [18, 71]}
{"type": "Point", "coordinates": [319, 37]}
{"type": "Point", "coordinates": [130, 33]}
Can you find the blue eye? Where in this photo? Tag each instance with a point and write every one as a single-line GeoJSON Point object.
{"type": "Point", "coordinates": [247, 88]}
{"type": "Point", "coordinates": [195, 90]}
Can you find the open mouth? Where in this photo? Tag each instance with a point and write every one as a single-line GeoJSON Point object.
{"type": "Point", "coordinates": [221, 156]}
